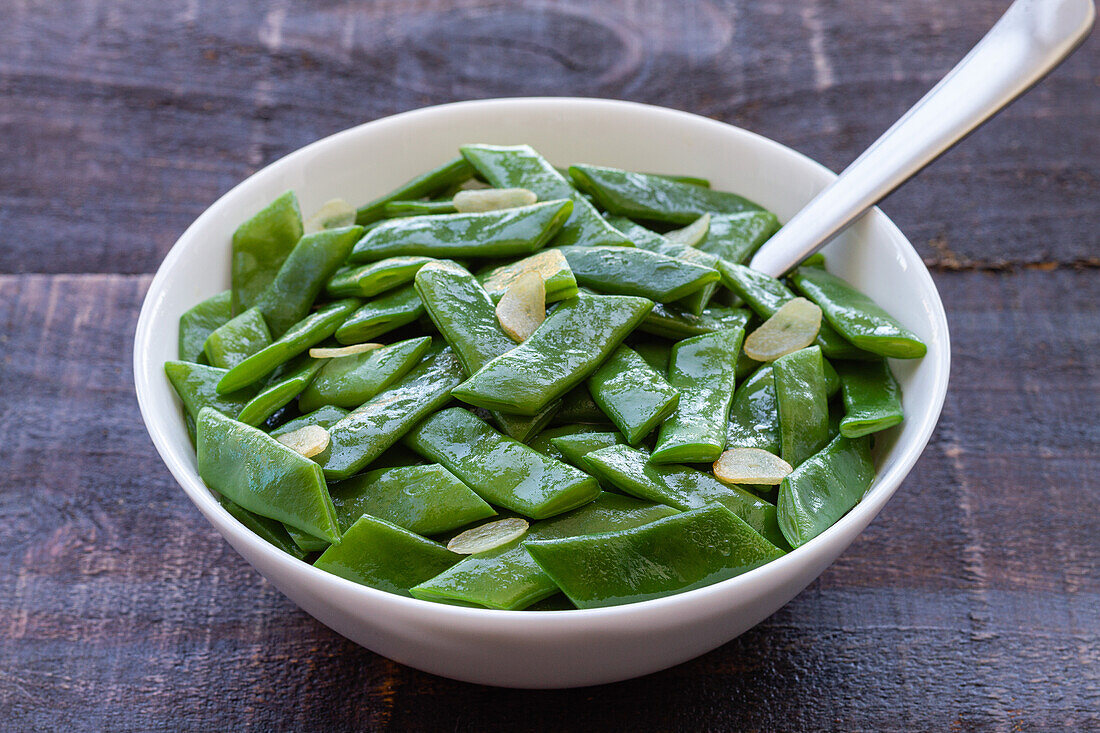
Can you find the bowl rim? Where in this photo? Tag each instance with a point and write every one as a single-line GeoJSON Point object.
{"type": "Point", "coordinates": [235, 532]}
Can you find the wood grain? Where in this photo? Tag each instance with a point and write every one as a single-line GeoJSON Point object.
{"type": "Point", "coordinates": [152, 115]}
{"type": "Point", "coordinates": [972, 602]}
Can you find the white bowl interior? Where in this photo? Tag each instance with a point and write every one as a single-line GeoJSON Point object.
{"type": "Point", "coordinates": [364, 162]}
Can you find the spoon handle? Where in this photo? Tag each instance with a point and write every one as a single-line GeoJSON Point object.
{"type": "Point", "coordinates": [1030, 39]}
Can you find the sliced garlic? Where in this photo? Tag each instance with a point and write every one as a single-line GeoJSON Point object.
{"type": "Point", "coordinates": [335, 353]}
{"type": "Point", "coordinates": [492, 199]}
{"type": "Point", "coordinates": [522, 308]}
{"type": "Point", "coordinates": [750, 466]}
{"type": "Point", "coordinates": [792, 327]}
{"type": "Point", "coordinates": [488, 536]}
{"type": "Point", "coordinates": [309, 440]}
{"type": "Point", "coordinates": [693, 234]}
{"type": "Point", "coordinates": [334, 213]}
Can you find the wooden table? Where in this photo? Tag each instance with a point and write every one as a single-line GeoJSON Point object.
{"type": "Point", "coordinates": [972, 602]}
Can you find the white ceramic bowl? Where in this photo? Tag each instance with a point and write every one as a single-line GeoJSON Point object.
{"type": "Point", "coordinates": [560, 648]}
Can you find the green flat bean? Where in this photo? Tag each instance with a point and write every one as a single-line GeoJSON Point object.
{"type": "Point", "coordinates": [451, 173]}
{"type": "Point", "coordinates": [673, 322]}
{"type": "Point", "coordinates": [324, 417]}
{"type": "Point", "coordinates": [309, 331]}
{"type": "Point", "coordinates": [824, 488]}
{"type": "Point", "coordinates": [268, 529]}
{"type": "Point", "coordinates": [696, 302]}
{"type": "Point", "coordinates": [736, 237]}
{"type": "Point", "coordinates": [262, 475]}
{"type": "Point", "coordinates": [642, 196]}
{"type": "Point", "coordinates": [260, 246]}
{"type": "Point", "coordinates": [550, 263]}
{"type": "Point", "coordinates": [384, 556]}
{"type": "Point", "coordinates": [196, 385]}
{"type": "Point", "coordinates": [414, 207]}
{"type": "Point", "coordinates": [236, 340]}
{"type": "Point", "coordinates": [765, 295]}
{"type": "Point", "coordinates": [802, 404]}
{"type": "Point", "coordinates": [366, 432]}
{"type": "Point", "coordinates": [504, 233]}
{"type": "Point", "coordinates": [304, 542]}
{"type": "Point", "coordinates": [574, 447]}
{"type": "Point", "coordinates": [872, 398]}
{"type": "Point", "coordinates": [349, 381]}
{"type": "Point", "coordinates": [634, 271]}
{"type": "Point", "coordinates": [634, 395]}
{"type": "Point", "coordinates": [507, 578]}
{"type": "Point", "coordinates": [856, 317]}
{"type": "Point", "coordinates": [569, 345]}
{"type": "Point", "coordinates": [754, 416]}
{"type": "Point", "coordinates": [302, 276]}
{"type": "Point", "coordinates": [463, 312]}
{"type": "Point", "coordinates": [280, 391]}
{"type": "Point", "coordinates": [197, 323]}
{"type": "Point", "coordinates": [679, 486]}
{"type": "Point", "coordinates": [392, 310]}
{"type": "Point", "coordinates": [670, 555]}
{"type": "Point", "coordinates": [542, 444]}
{"type": "Point", "coordinates": [521, 167]}
{"type": "Point", "coordinates": [366, 281]}
{"type": "Point", "coordinates": [427, 500]}
{"type": "Point", "coordinates": [702, 369]}
{"type": "Point", "coordinates": [500, 470]}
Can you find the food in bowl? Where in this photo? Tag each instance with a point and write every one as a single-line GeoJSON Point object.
{"type": "Point", "coordinates": [510, 387]}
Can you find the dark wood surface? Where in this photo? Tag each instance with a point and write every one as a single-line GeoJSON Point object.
{"type": "Point", "coordinates": [972, 602]}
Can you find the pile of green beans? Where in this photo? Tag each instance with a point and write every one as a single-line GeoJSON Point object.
{"type": "Point", "coordinates": [596, 431]}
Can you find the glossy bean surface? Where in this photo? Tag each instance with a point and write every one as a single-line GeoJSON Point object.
{"type": "Point", "coordinates": [366, 281]}
{"type": "Point", "coordinates": [636, 397]}
{"type": "Point", "coordinates": [391, 310]}
{"type": "Point", "coordinates": [824, 488]}
{"type": "Point", "coordinates": [872, 398]}
{"type": "Point", "coordinates": [635, 271]}
{"type": "Point", "coordinates": [451, 173]}
{"type": "Point", "coordinates": [260, 246]}
{"type": "Point", "coordinates": [349, 381]}
{"type": "Point", "coordinates": [802, 404]}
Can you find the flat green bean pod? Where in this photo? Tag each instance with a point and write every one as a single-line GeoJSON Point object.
{"type": "Point", "coordinates": [198, 322]}
{"type": "Point", "coordinates": [260, 246]}
{"type": "Point", "coordinates": [754, 416]}
{"type": "Point", "coordinates": [824, 488]}
{"type": "Point", "coordinates": [262, 475]}
{"type": "Point", "coordinates": [280, 391]}
{"type": "Point", "coordinates": [237, 339]}
{"type": "Point", "coordinates": [673, 322]}
{"type": "Point", "coordinates": [463, 312]}
{"type": "Point", "coordinates": [566, 348]}
{"type": "Point", "coordinates": [367, 431]}
{"type": "Point", "coordinates": [349, 381]}
{"type": "Point", "coordinates": [507, 578]}
{"type": "Point", "coordinates": [520, 166]}
{"type": "Point", "coordinates": [311, 330]}
{"type": "Point", "coordinates": [269, 529]}
{"type": "Point", "coordinates": [634, 271]}
{"type": "Point", "coordinates": [679, 486]}
{"type": "Point", "coordinates": [736, 237]}
{"type": "Point", "coordinates": [504, 233]}
{"type": "Point", "coordinates": [451, 173]}
{"type": "Point", "coordinates": [872, 398]}
{"type": "Point", "coordinates": [427, 500]}
{"type": "Point", "coordinates": [643, 196]}
{"type": "Point", "coordinates": [366, 281]}
{"type": "Point", "coordinates": [287, 298]}
{"type": "Point", "coordinates": [324, 417]}
{"type": "Point", "coordinates": [856, 317]}
{"type": "Point", "coordinates": [390, 311]}
{"type": "Point", "coordinates": [702, 369]}
{"type": "Point", "coordinates": [670, 555]}
{"type": "Point", "coordinates": [500, 470]}
{"type": "Point", "coordinates": [382, 555]}
{"type": "Point", "coordinates": [633, 394]}
{"type": "Point", "coordinates": [802, 403]}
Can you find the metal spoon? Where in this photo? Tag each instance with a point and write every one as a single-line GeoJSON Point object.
{"type": "Point", "coordinates": [1030, 39]}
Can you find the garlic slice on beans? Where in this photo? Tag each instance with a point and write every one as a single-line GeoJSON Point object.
{"type": "Point", "coordinates": [309, 440]}
{"type": "Point", "coordinates": [750, 466]}
{"type": "Point", "coordinates": [794, 326]}
{"type": "Point", "coordinates": [492, 199]}
{"type": "Point", "coordinates": [522, 308]}
{"type": "Point", "coordinates": [488, 536]}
